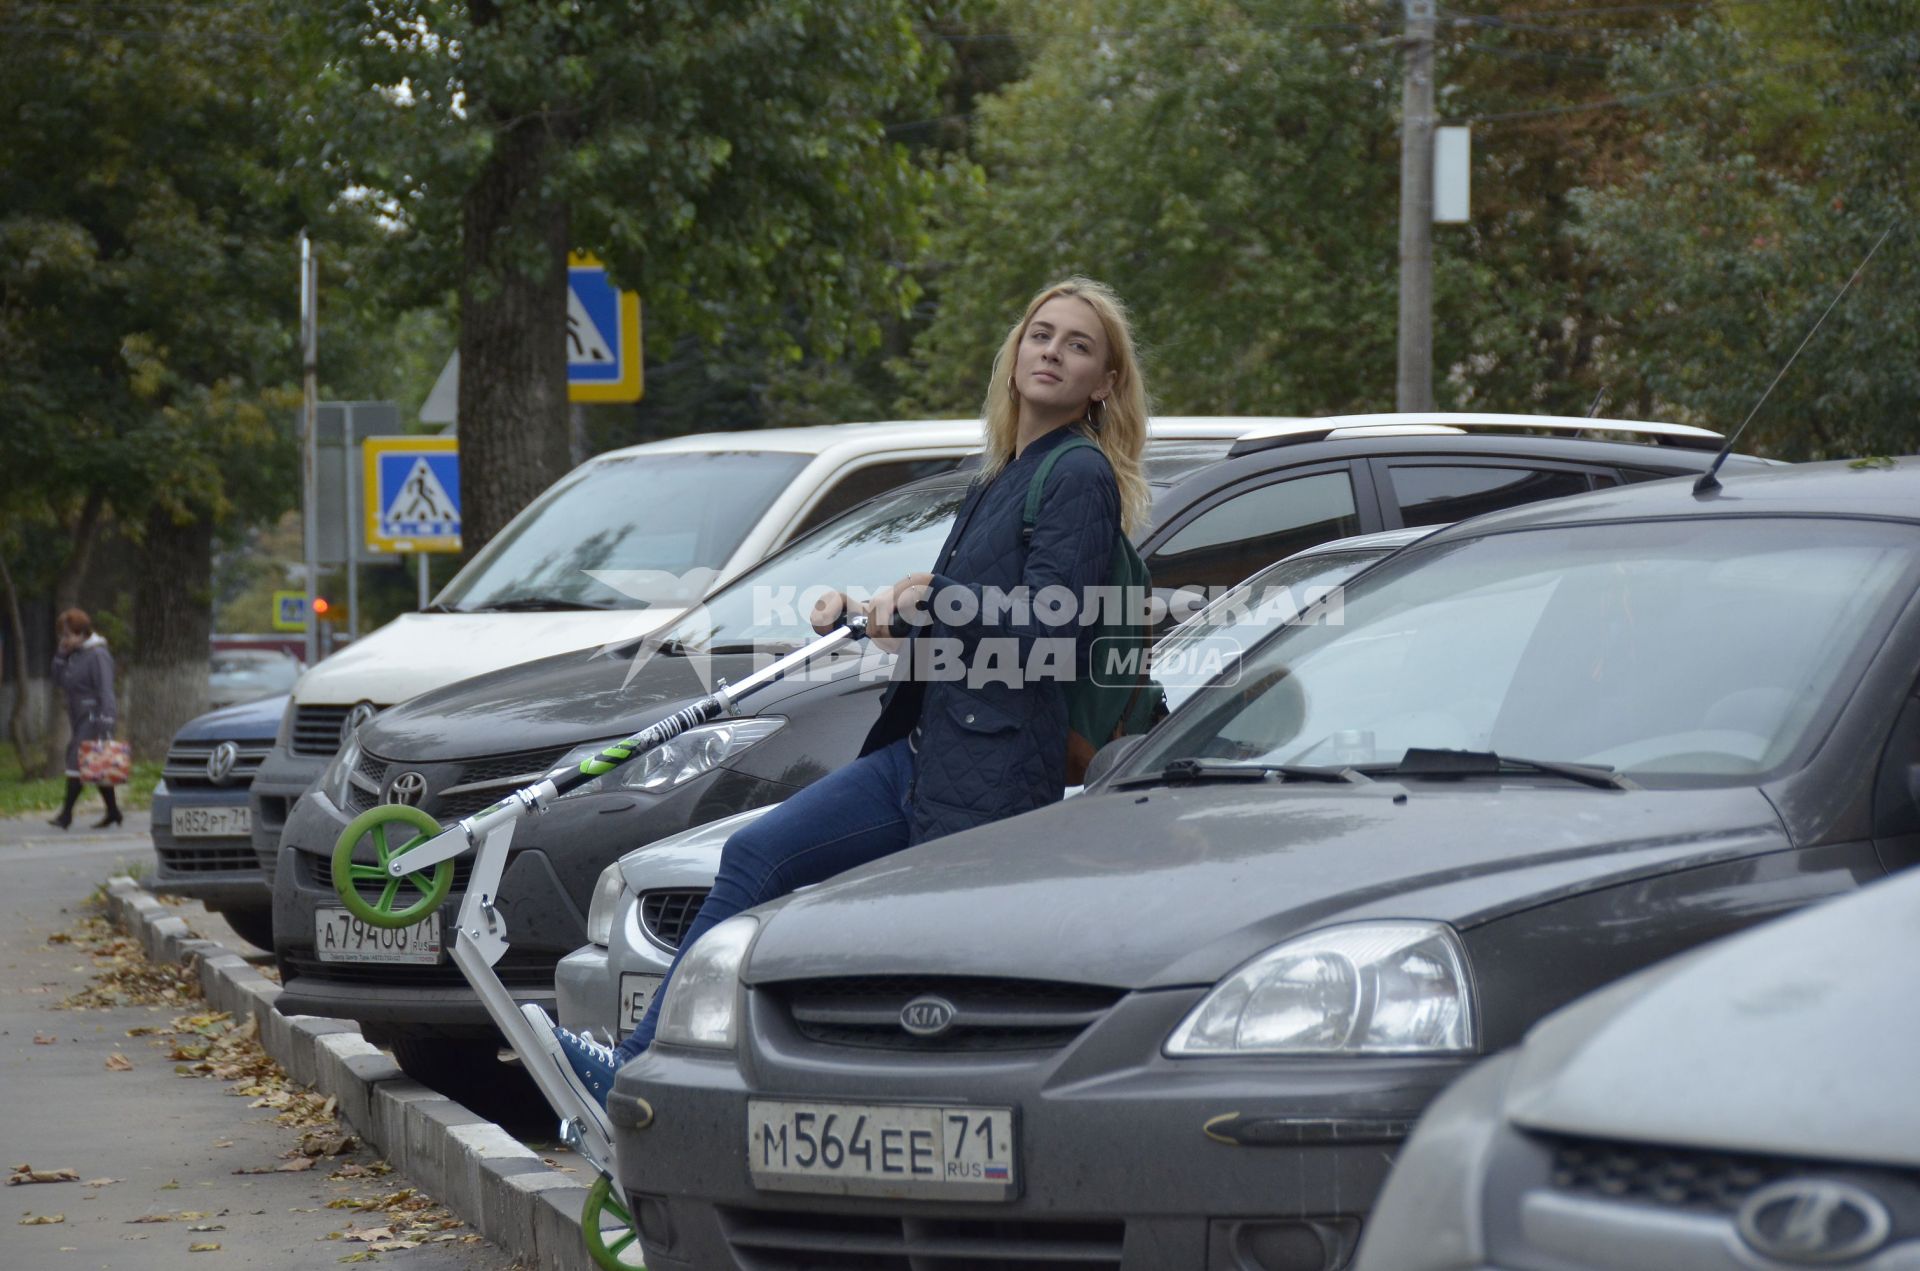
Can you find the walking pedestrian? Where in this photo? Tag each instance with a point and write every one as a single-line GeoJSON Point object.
{"type": "Point", "coordinates": [83, 671]}
{"type": "Point", "coordinates": [955, 751]}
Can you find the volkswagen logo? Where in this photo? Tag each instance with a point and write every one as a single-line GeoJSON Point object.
{"type": "Point", "coordinates": [220, 762]}
{"type": "Point", "coordinates": [1814, 1220]}
{"type": "Point", "coordinates": [927, 1016]}
{"type": "Point", "coordinates": [408, 788]}
{"type": "Point", "coordinates": [360, 714]}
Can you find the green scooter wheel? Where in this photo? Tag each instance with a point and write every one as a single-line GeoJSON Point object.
{"type": "Point", "coordinates": [613, 1242]}
{"type": "Point", "coordinates": [387, 910]}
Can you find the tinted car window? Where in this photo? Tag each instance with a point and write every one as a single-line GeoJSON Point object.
{"type": "Point", "coordinates": [861, 484]}
{"type": "Point", "coordinates": [675, 513]}
{"type": "Point", "coordinates": [1697, 652]}
{"type": "Point", "coordinates": [1438, 494]}
{"type": "Point", "coordinates": [1249, 531]}
{"type": "Point", "coordinates": [869, 548]}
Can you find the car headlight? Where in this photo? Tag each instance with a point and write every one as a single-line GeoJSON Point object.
{"type": "Point", "coordinates": [703, 997]}
{"type": "Point", "coordinates": [693, 752]}
{"type": "Point", "coordinates": [607, 894]}
{"type": "Point", "coordinates": [337, 781]}
{"type": "Point", "coordinates": [1369, 988]}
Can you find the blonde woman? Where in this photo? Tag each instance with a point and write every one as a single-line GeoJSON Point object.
{"type": "Point", "coordinates": [973, 728]}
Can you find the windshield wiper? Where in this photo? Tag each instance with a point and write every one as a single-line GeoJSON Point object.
{"type": "Point", "coordinates": [1418, 762]}
{"type": "Point", "coordinates": [528, 604]}
{"type": "Point", "coordinates": [1227, 770]}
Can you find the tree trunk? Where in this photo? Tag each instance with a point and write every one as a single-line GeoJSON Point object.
{"type": "Point", "coordinates": [30, 742]}
{"type": "Point", "coordinates": [172, 621]}
{"type": "Point", "coordinates": [86, 532]}
{"type": "Point", "coordinates": [514, 430]}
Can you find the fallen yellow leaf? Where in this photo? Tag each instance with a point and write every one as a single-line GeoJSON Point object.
{"type": "Point", "coordinates": [117, 1062]}
{"type": "Point", "coordinates": [41, 1220]}
{"type": "Point", "coordinates": [209, 1247]}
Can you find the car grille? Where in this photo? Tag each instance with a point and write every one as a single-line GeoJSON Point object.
{"type": "Point", "coordinates": [317, 871]}
{"type": "Point", "coordinates": [989, 1014]}
{"type": "Point", "coordinates": [1679, 1178]}
{"type": "Point", "coordinates": [666, 915]}
{"type": "Point", "coordinates": [208, 860]}
{"type": "Point", "coordinates": [187, 764]}
{"type": "Point", "coordinates": [316, 729]}
{"type": "Point", "coordinates": [457, 789]}
{"type": "Point", "coordinates": [517, 970]}
{"type": "Point", "coordinates": [772, 1240]}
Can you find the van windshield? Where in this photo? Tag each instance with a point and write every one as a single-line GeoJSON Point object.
{"type": "Point", "coordinates": [627, 532]}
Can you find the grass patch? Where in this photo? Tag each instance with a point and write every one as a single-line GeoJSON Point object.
{"type": "Point", "coordinates": [20, 795]}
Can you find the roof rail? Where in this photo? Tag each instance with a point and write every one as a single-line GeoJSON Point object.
{"type": "Point", "coordinates": [1431, 423]}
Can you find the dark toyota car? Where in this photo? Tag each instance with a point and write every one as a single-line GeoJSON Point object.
{"type": "Point", "coordinates": [1185, 1019]}
{"type": "Point", "coordinates": [202, 823]}
{"type": "Point", "coordinates": [1222, 510]}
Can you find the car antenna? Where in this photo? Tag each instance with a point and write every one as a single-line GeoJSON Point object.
{"type": "Point", "coordinates": [1708, 483]}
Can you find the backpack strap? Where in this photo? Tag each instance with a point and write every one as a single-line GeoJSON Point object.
{"type": "Point", "coordinates": [1037, 486]}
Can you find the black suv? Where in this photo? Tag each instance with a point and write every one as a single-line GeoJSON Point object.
{"type": "Point", "coordinates": [1221, 513]}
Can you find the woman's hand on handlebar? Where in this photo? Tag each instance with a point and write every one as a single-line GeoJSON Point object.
{"type": "Point", "coordinates": [829, 610]}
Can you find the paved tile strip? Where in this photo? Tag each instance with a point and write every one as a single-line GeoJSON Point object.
{"type": "Point", "coordinates": [499, 1187]}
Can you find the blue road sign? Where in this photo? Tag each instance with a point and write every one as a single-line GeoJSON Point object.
{"type": "Point", "coordinates": [412, 494]}
{"type": "Point", "coordinates": [603, 336]}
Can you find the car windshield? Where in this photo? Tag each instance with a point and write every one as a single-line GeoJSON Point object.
{"type": "Point", "coordinates": [639, 515]}
{"type": "Point", "coordinates": [878, 543]}
{"type": "Point", "coordinates": [1684, 652]}
{"type": "Point", "coordinates": [1212, 641]}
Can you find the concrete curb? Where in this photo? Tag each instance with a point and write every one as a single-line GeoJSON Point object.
{"type": "Point", "coordinates": [498, 1187]}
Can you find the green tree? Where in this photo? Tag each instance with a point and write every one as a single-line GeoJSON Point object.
{"type": "Point", "coordinates": [727, 160]}
{"type": "Point", "coordinates": [146, 296]}
{"type": "Point", "coordinates": [1761, 195]}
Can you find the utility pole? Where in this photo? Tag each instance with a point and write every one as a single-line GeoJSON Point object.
{"type": "Point", "coordinates": [310, 434]}
{"type": "Point", "coordinates": [1415, 387]}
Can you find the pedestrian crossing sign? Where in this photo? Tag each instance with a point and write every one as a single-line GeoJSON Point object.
{"type": "Point", "coordinates": [412, 493]}
{"type": "Point", "coordinates": [603, 336]}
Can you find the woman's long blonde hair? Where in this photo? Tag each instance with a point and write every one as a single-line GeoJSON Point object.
{"type": "Point", "coordinates": [1121, 431]}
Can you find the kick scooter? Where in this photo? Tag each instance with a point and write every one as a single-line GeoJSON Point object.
{"type": "Point", "coordinates": [421, 867]}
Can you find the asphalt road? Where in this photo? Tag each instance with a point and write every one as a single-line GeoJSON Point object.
{"type": "Point", "coordinates": [173, 1144]}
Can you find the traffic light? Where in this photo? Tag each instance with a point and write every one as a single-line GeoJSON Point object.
{"type": "Point", "coordinates": [321, 609]}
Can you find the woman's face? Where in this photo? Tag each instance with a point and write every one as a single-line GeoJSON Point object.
{"type": "Point", "coordinates": [1062, 363]}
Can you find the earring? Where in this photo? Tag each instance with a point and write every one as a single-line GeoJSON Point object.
{"type": "Point", "coordinates": [1100, 404]}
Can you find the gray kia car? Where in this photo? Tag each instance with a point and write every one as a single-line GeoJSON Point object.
{"type": "Point", "coordinates": [1185, 1019]}
{"type": "Point", "coordinates": [1748, 1105]}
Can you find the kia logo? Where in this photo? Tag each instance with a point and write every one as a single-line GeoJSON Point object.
{"type": "Point", "coordinates": [927, 1016]}
{"type": "Point", "coordinates": [1814, 1220]}
{"type": "Point", "coordinates": [220, 762]}
{"type": "Point", "coordinates": [360, 714]}
{"type": "Point", "coordinates": [408, 788]}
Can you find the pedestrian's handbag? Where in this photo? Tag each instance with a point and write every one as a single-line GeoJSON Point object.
{"type": "Point", "coordinates": [105, 763]}
{"type": "Point", "coordinates": [1116, 698]}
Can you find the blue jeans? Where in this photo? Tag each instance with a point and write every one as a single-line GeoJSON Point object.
{"type": "Point", "coordinates": [847, 818]}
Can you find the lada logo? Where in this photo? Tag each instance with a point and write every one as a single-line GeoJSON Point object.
{"type": "Point", "coordinates": [408, 788]}
{"type": "Point", "coordinates": [927, 1016]}
{"type": "Point", "coordinates": [220, 762]}
{"type": "Point", "coordinates": [1813, 1220]}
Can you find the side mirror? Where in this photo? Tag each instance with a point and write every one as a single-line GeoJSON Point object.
{"type": "Point", "coordinates": [1109, 756]}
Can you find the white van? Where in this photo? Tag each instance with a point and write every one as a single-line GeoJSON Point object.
{"type": "Point", "coordinates": [614, 549]}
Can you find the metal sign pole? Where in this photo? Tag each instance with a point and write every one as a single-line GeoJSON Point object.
{"type": "Point", "coordinates": [309, 439]}
{"type": "Point", "coordinates": [421, 557]}
{"type": "Point", "coordinates": [350, 470]}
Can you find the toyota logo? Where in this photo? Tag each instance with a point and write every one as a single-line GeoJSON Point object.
{"type": "Point", "coordinates": [408, 788]}
{"type": "Point", "coordinates": [927, 1016]}
{"type": "Point", "coordinates": [1811, 1220]}
{"type": "Point", "coordinates": [220, 762]}
{"type": "Point", "coordinates": [360, 714]}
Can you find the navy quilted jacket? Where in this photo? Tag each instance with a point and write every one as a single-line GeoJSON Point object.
{"type": "Point", "coordinates": [988, 748]}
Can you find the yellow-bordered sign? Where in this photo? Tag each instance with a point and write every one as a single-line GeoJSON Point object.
{"type": "Point", "coordinates": [411, 493]}
{"type": "Point", "coordinates": [603, 336]}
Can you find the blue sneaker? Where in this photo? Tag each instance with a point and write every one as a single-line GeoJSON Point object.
{"type": "Point", "coordinates": [582, 1062]}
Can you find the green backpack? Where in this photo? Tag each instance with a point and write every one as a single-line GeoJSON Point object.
{"type": "Point", "coordinates": [1117, 698]}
